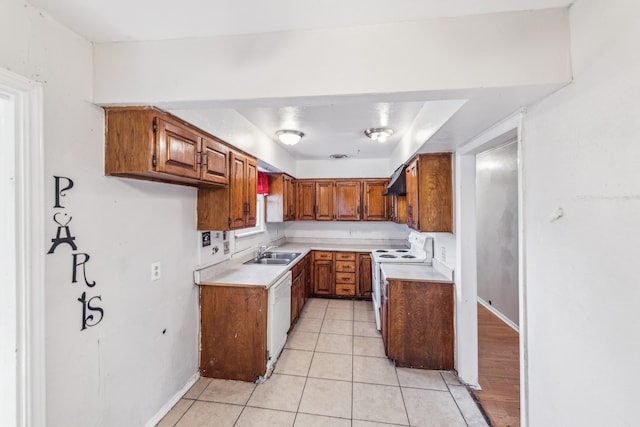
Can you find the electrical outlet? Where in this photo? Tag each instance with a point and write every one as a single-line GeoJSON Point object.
{"type": "Point", "coordinates": [443, 254]}
{"type": "Point", "coordinates": [155, 271]}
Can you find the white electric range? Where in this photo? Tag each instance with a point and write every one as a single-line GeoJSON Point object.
{"type": "Point", "coordinates": [420, 250]}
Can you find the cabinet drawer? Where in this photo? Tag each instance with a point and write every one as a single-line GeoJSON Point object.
{"type": "Point", "coordinates": [343, 289]}
{"type": "Point", "coordinates": [345, 256]}
{"type": "Point", "coordinates": [346, 278]}
{"type": "Point", "coordinates": [346, 266]}
{"type": "Point", "coordinates": [323, 255]}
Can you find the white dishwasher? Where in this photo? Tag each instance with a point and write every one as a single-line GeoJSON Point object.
{"type": "Point", "coordinates": [278, 318]}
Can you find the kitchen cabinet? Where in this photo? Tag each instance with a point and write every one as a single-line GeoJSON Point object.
{"type": "Point", "coordinates": [323, 278]}
{"type": "Point", "coordinates": [324, 205]}
{"type": "Point", "coordinates": [305, 200]}
{"type": "Point", "coordinates": [345, 273]}
{"type": "Point", "coordinates": [417, 323]}
{"type": "Point", "coordinates": [308, 273]}
{"type": "Point", "coordinates": [281, 198]}
{"type": "Point", "coordinates": [341, 274]}
{"type": "Point", "coordinates": [375, 204]}
{"type": "Point", "coordinates": [233, 332]}
{"type": "Point", "coordinates": [232, 207]}
{"type": "Point", "coordinates": [430, 193]}
{"type": "Point", "coordinates": [298, 288]}
{"type": "Point", "coordinates": [150, 144]}
{"type": "Point", "coordinates": [397, 206]}
{"type": "Point", "coordinates": [348, 200]}
{"type": "Point", "coordinates": [364, 275]}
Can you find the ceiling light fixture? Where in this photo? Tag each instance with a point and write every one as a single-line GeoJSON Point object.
{"type": "Point", "coordinates": [289, 137]}
{"type": "Point", "coordinates": [338, 156]}
{"type": "Point", "coordinates": [379, 134]}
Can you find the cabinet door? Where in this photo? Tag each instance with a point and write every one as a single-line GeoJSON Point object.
{"type": "Point", "coordinates": [295, 298]}
{"type": "Point", "coordinates": [384, 316]}
{"type": "Point", "coordinates": [237, 190]}
{"type": "Point", "coordinates": [398, 206]}
{"type": "Point", "coordinates": [288, 199]}
{"type": "Point", "coordinates": [251, 192]}
{"type": "Point", "coordinates": [177, 150]}
{"type": "Point", "coordinates": [435, 193]}
{"type": "Point", "coordinates": [375, 204]}
{"type": "Point", "coordinates": [215, 162]}
{"type": "Point", "coordinates": [413, 211]}
{"type": "Point", "coordinates": [308, 276]}
{"type": "Point", "coordinates": [347, 200]}
{"type": "Point", "coordinates": [323, 277]}
{"type": "Point", "coordinates": [324, 201]}
{"type": "Point", "coordinates": [364, 275]}
{"type": "Point", "coordinates": [306, 200]}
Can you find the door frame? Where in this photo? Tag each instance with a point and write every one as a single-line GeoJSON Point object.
{"type": "Point", "coordinates": [27, 98]}
{"type": "Point", "coordinates": [466, 264]}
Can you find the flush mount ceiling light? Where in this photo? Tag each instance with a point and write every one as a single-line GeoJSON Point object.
{"type": "Point", "coordinates": [379, 134]}
{"type": "Point", "coordinates": [338, 156]}
{"type": "Point", "coordinates": [289, 137]}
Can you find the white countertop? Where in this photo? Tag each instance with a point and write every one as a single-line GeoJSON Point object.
{"type": "Point", "coordinates": [420, 272]}
{"type": "Point", "coordinates": [235, 273]}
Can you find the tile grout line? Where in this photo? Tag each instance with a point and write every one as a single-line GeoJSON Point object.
{"type": "Point", "coordinates": [306, 379]}
{"type": "Point", "coordinates": [454, 399]}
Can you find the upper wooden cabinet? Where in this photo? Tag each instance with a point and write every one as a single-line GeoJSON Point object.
{"type": "Point", "coordinates": [430, 193]}
{"type": "Point", "coordinates": [234, 206]}
{"type": "Point", "coordinates": [281, 198]}
{"type": "Point", "coordinates": [375, 204]}
{"type": "Point", "coordinates": [341, 200]}
{"type": "Point", "coordinates": [397, 207]}
{"type": "Point", "coordinates": [150, 144]}
{"type": "Point", "coordinates": [347, 200]}
{"type": "Point", "coordinates": [305, 200]}
{"type": "Point", "coordinates": [325, 199]}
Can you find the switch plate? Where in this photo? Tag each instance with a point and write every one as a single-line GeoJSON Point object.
{"type": "Point", "coordinates": [155, 271]}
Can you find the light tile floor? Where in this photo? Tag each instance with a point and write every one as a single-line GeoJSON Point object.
{"type": "Point", "coordinates": [332, 372]}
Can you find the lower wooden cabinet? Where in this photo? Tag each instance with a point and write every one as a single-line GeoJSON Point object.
{"type": "Point", "coordinates": [342, 274]}
{"type": "Point", "coordinates": [233, 332]}
{"type": "Point", "coordinates": [299, 287]}
{"type": "Point", "coordinates": [417, 323]}
{"type": "Point", "coordinates": [323, 280]}
{"type": "Point", "coordinates": [365, 283]}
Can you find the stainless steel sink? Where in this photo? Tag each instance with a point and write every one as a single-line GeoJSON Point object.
{"type": "Point", "coordinates": [270, 261]}
{"type": "Point", "coordinates": [281, 255]}
{"type": "Point", "coordinates": [275, 258]}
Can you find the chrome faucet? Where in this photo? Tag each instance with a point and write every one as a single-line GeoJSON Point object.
{"type": "Point", "coordinates": [263, 249]}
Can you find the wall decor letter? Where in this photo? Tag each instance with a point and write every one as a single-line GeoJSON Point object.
{"type": "Point", "coordinates": [82, 263]}
{"type": "Point", "coordinates": [59, 191]}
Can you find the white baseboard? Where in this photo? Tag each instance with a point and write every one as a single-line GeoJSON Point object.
{"type": "Point", "coordinates": [499, 315]}
{"type": "Point", "coordinates": [167, 406]}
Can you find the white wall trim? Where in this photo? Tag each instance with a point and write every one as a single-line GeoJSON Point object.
{"type": "Point", "coordinates": [30, 247]}
{"type": "Point", "coordinates": [499, 315]}
{"type": "Point", "coordinates": [171, 403]}
{"type": "Point", "coordinates": [466, 264]}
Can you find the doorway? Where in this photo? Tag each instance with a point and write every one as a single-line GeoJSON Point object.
{"type": "Point", "coordinates": [22, 362]}
{"type": "Point", "coordinates": [498, 287]}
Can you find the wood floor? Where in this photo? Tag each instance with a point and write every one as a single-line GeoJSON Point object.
{"type": "Point", "coordinates": [498, 370]}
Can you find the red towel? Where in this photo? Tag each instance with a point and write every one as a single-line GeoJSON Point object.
{"type": "Point", "coordinates": [263, 183]}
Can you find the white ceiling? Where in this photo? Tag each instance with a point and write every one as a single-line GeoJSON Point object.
{"type": "Point", "coordinates": [332, 127]}
{"type": "Point", "coordinates": [128, 20]}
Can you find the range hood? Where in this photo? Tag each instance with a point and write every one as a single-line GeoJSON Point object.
{"type": "Point", "coordinates": [398, 183]}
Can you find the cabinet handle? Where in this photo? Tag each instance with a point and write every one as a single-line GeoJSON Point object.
{"type": "Point", "coordinates": [205, 162]}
